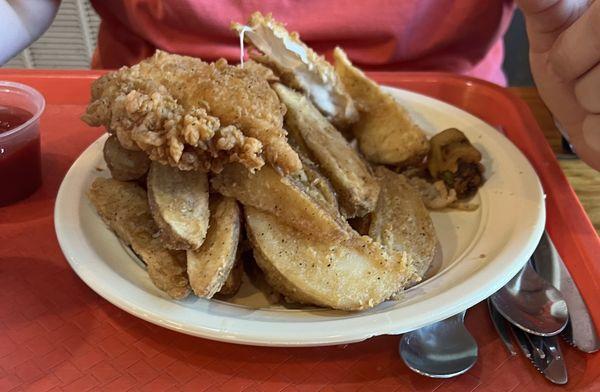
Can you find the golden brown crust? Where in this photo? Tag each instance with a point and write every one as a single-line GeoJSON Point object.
{"type": "Point", "coordinates": [299, 67]}
{"type": "Point", "coordinates": [193, 115]}
{"type": "Point", "coordinates": [123, 206]}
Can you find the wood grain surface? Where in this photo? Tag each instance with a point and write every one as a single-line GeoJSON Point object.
{"type": "Point", "coordinates": [584, 179]}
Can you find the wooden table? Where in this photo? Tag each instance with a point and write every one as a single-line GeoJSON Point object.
{"type": "Point", "coordinates": [584, 179]}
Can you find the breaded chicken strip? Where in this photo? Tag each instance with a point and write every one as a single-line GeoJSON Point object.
{"type": "Point", "coordinates": [194, 115]}
{"type": "Point", "coordinates": [123, 206]}
{"type": "Point", "coordinates": [299, 67]}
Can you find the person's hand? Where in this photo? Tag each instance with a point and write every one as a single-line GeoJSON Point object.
{"type": "Point", "coordinates": [564, 39]}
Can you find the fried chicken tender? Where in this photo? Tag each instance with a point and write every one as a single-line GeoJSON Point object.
{"type": "Point", "coordinates": [194, 115]}
{"type": "Point", "coordinates": [299, 67]}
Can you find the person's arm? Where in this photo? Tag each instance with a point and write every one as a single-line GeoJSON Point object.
{"type": "Point", "coordinates": [22, 22]}
{"type": "Point", "coordinates": [564, 40]}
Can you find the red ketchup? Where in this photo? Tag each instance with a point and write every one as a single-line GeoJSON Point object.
{"type": "Point", "coordinates": [20, 160]}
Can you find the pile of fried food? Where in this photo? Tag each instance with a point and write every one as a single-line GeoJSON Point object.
{"type": "Point", "coordinates": [286, 155]}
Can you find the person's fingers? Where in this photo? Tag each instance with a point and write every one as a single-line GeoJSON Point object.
{"type": "Point", "coordinates": [546, 19]}
{"type": "Point", "coordinates": [577, 49]}
{"type": "Point", "coordinates": [591, 132]}
{"type": "Point", "coordinates": [587, 90]}
{"type": "Point", "coordinates": [584, 138]}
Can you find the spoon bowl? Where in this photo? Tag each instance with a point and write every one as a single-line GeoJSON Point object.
{"type": "Point", "coordinates": [441, 350]}
{"type": "Point", "coordinates": [532, 304]}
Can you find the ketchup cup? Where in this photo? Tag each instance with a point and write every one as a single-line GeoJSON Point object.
{"type": "Point", "coordinates": [20, 156]}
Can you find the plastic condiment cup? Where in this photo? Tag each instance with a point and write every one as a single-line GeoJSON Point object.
{"type": "Point", "coordinates": [20, 155]}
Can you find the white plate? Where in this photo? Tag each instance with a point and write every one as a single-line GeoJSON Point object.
{"type": "Point", "coordinates": [481, 251]}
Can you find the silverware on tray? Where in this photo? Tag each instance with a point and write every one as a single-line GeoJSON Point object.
{"type": "Point", "coordinates": [580, 331]}
{"type": "Point", "coordinates": [544, 353]}
{"type": "Point", "coordinates": [440, 350]}
{"type": "Point", "coordinates": [531, 303]}
{"type": "Point", "coordinates": [502, 326]}
{"type": "Point", "coordinates": [533, 306]}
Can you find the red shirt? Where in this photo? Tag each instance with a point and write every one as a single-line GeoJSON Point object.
{"type": "Point", "coordinates": [462, 36]}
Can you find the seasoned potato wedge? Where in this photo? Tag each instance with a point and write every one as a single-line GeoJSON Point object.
{"type": "Point", "coordinates": [124, 165]}
{"type": "Point", "coordinates": [349, 174]}
{"type": "Point", "coordinates": [316, 184]}
{"type": "Point", "coordinates": [234, 280]}
{"type": "Point", "coordinates": [179, 205]}
{"type": "Point", "coordinates": [385, 132]}
{"type": "Point", "coordinates": [353, 274]}
{"type": "Point", "coordinates": [210, 266]}
{"type": "Point", "coordinates": [123, 206]}
{"type": "Point", "coordinates": [286, 197]}
{"type": "Point", "coordinates": [401, 222]}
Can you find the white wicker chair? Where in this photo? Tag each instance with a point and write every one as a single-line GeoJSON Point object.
{"type": "Point", "coordinates": [68, 43]}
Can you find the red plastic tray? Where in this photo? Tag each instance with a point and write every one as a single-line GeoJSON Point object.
{"type": "Point", "coordinates": [56, 334]}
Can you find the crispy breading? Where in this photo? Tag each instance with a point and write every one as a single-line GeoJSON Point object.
{"type": "Point", "coordinates": [124, 165]}
{"type": "Point", "coordinates": [348, 172]}
{"type": "Point", "coordinates": [385, 132]}
{"type": "Point", "coordinates": [193, 115]}
{"type": "Point", "coordinates": [354, 274]}
{"type": "Point", "coordinates": [288, 197]}
{"type": "Point", "coordinates": [123, 206]}
{"type": "Point", "coordinates": [401, 222]}
{"type": "Point", "coordinates": [209, 266]}
{"type": "Point", "coordinates": [179, 204]}
{"type": "Point", "coordinates": [299, 67]}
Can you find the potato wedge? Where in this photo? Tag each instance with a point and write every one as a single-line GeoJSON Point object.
{"type": "Point", "coordinates": [401, 222]}
{"type": "Point", "coordinates": [179, 205]}
{"type": "Point", "coordinates": [210, 265]}
{"type": "Point", "coordinates": [315, 183]}
{"type": "Point", "coordinates": [287, 197]}
{"type": "Point", "coordinates": [234, 280]}
{"type": "Point", "coordinates": [124, 165]}
{"type": "Point", "coordinates": [353, 274]}
{"type": "Point", "coordinates": [385, 132]}
{"type": "Point", "coordinates": [349, 174]}
{"type": "Point", "coordinates": [123, 206]}
{"type": "Point", "coordinates": [257, 279]}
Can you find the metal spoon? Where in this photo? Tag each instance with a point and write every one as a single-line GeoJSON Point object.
{"type": "Point", "coordinates": [441, 350]}
{"type": "Point", "coordinates": [532, 304]}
